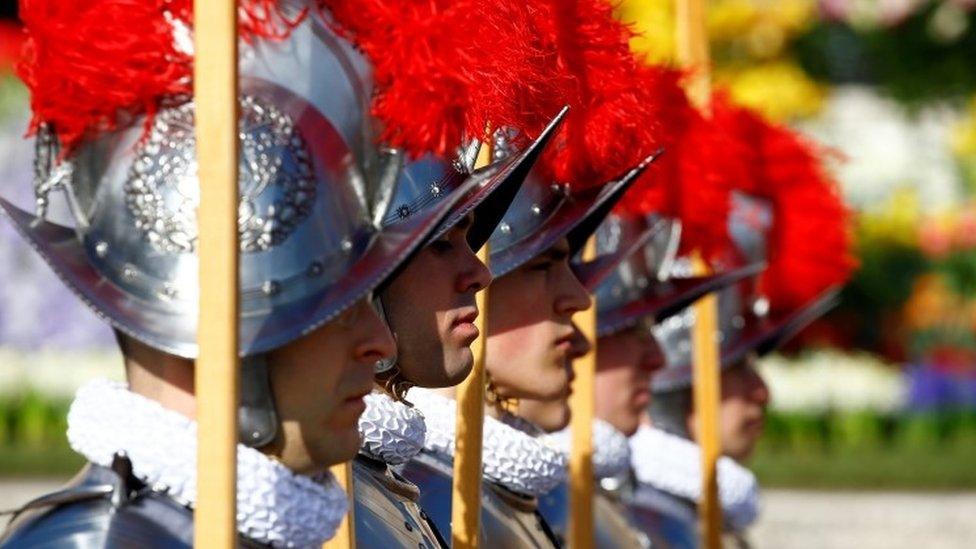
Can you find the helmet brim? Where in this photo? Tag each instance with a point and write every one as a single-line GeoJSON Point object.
{"type": "Point", "coordinates": [174, 331]}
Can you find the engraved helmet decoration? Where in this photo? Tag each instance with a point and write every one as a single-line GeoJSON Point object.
{"type": "Point", "coordinates": [312, 177]}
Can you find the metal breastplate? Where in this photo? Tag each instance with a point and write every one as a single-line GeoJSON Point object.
{"type": "Point", "coordinates": [668, 521]}
{"type": "Point", "coordinates": [102, 508]}
{"type": "Point", "coordinates": [507, 519]}
{"type": "Point", "coordinates": [387, 513]}
{"type": "Point", "coordinates": [612, 522]}
{"type": "Point", "coordinates": [614, 527]}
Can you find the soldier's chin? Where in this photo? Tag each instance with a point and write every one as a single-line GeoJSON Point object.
{"type": "Point", "coordinates": [448, 369]}
{"type": "Point", "coordinates": [342, 446]}
{"type": "Point", "coordinates": [459, 366]}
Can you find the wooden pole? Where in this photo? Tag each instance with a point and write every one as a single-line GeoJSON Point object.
{"type": "Point", "coordinates": [705, 373]}
{"type": "Point", "coordinates": [466, 496]}
{"type": "Point", "coordinates": [345, 537]}
{"type": "Point", "coordinates": [581, 404]}
{"type": "Point", "coordinates": [215, 94]}
{"type": "Point", "coordinates": [692, 51]}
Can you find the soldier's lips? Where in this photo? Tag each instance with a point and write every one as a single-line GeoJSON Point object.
{"type": "Point", "coordinates": [354, 405]}
{"type": "Point", "coordinates": [463, 327]}
{"type": "Point", "coordinates": [566, 346]}
{"type": "Point", "coordinates": [642, 397]}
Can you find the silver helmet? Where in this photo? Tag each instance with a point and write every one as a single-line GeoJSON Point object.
{"type": "Point", "coordinates": [746, 327]}
{"type": "Point", "coordinates": [631, 276]}
{"type": "Point", "coordinates": [311, 187]}
{"type": "Point", "coordinates": [486, 192]}
{"type": "Point", "coordinates": [543, 212]}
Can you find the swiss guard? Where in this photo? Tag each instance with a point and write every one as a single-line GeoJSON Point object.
{"type": "Point", "coordinates": [116, 191]}
{"type": "Point", "coordinates": [429, 302]}
{"type": "Point", "coordinates": [630, 279]}
{"type": "Point", "coordinates": [787, 212]}
{"type": "Point", "coordinates": [531, 340]}
{"type": "Point", "coordinates": [533, 297]}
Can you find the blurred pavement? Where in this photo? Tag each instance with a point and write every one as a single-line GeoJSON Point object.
{"type": "Point", "coordinates": [804, 519]}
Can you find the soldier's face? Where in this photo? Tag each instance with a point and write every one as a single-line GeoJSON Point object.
{"type": "Point", "coordinates": [553, 415]}
{"type": "Point", "coordinates": [626, 361]}
{"type": "Point", "coordinates": [531, 340]}
{"type": "Point", "coordinates": [319, 382]}
{"type": "Point", "coordinates": [431, 309]}
{"type": "Point", "coordinates": [741, 412]}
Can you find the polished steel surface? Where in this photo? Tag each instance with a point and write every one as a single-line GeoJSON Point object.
{"type": "Point", "coordinates": [507, 519]}
{"type": "Point", "coordinates": [674, 337]}
{"type": "Point", "coordinates": [123, 516]}
{"type": "Point", "coordinates": [641, 273]}
{"type": "Point", "coordinates": [743, 331]}
{"type": "Point", "coordinates": [750, 219]}
{"type": "Point", "coordinates": [257, 416]}
{"type": "Point", "coordinates": [486, 192]}
{"type": "Point", "coordinates": [311, 181]}
{"type": "Point", "coordinates": [543, 212]}
{"type": "Point", "coordinates": [387, 511]}
{"type": "Point", "coordinates": [668, 521]}
{"type": "Point", "coordinates": [745, 325]}
{"type": "Point", "coordinates": [421, 183]}
{"type": "Point", "coordinates": [642, 286]}
{"type": "Point", "coordinates": [612, 522]}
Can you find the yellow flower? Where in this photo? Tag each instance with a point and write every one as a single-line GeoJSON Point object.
{"type": "Point", "coordinates": [653, 20]}
{"type": "Point", "coordinates": [759, 28]}
{"type": "Point", "coordinates": [964, 135]}
{"type": "Point", "coordinates": [896, 220]}
{"type": "Point", "coordinates": [730, 19]}
{"type": "Point", "coordinates": [778, 89]}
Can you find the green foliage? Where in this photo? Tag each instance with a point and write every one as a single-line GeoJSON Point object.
{"type": "Point", "coordinates": [13, 97]}
{"type": "Point", "coordinates": [879, 288]}
{"type": "Point", "coordinates": [32, 437]}
{"type": "Point", "coordinates": [32, 420]}
{"type": "Point", "coordinates": [856, 430]}
{"type": "Point", "coordinates": [911, 61]}
{"type": "Point", "coordinates": [959, 269]}
{"type": "Point", "coordinates": [886, 275]}
{"type": "Point", "coordinates": [865, 450]}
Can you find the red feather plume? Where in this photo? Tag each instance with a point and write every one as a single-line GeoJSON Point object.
{"type": "Point", "coordinates": [611, 125]}
{"type": "Point", "coordinates": [701, 164]}
{"type": "Point", "coordinates": [810, 247]}
{"type": "Point", "coordinates": [444, 69]}
{"type": "Point", "coordinates": [448, 69]}
{"type": "Point", "coordinates": [88, 63]}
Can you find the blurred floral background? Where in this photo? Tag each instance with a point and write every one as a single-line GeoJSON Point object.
{"type": "Point", "coordinates": [882, 392]}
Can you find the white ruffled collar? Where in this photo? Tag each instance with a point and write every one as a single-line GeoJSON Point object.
{"type": "Point", "coordinates": [392, 431]}
{"type": "Point", "coordinates": [672, 464]}
{"type": "Point", "coordinates": [510, 457]}
{"type": "Point", "coordinates": [611, 449]}
{"type": "Point", "coordinates": [274, 505]}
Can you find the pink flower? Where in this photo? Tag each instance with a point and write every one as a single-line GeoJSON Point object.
{"type": "Point", "coordinates": [933, 240]}
{"type": "Point", "coordinates": [965, 231]}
